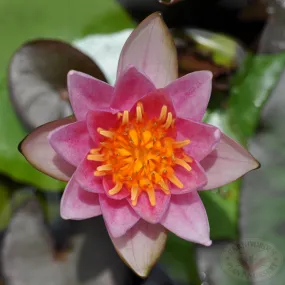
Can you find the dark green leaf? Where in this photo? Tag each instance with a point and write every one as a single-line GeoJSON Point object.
{"type": "Point", "coordinates": [262, 199]}
{"type": "Point", "coordinates": [251, 89]}
{"type": "Point", "coordinates": [12, 163]}
{"type": "Point", "coordinates": [21, 21]}
{"type": "Point", "coordinates": [5, 206]}
{"type": "Point", "coordinates": [37, 80]}
{"type": "Point", "coordinates": [179, 260]}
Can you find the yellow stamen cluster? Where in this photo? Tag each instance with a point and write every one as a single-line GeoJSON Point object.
{"type": "Point", "coordinates": [140, 155]}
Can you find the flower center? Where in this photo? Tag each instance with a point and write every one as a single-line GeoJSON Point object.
{"type": "Point", "coordinates": [141, 155]}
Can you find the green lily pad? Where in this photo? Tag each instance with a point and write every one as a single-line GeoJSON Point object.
{"type": "Point", "coordinates": [5, 207]}
{"type": "Point", "coordinates": [250, 90]}
{"type": "Point", "coordinates": [179, 260]}
{"type": "Point", "coordinates": [12, 163]}
{"type": "Point", "coordinates": [65, 20]}
{"type": "Point", "coordinates": [11, 196]}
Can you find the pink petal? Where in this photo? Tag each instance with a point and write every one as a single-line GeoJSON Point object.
{"type": "Point", "coordinates": [87, 93]}
{"type": "Point", "coordinates": [130, 87]}
{"type": "Point", "coordinates": [203, 137]}
{"type": "Point", "coordinates": [99, 119]}
{"type": "Point", "coordinates": [228, 162]}
{"type": "Point", "coordinates": [77, 204]}
{"type": "Point", "coordinates": [118, 215]}
{"type": "Point", "coordinates": [109, 184]}
{"type": "Point", "coordinates": [187, 218]}
{"type": "Point", "coordinates": [192, 180]}
{"type": "Point", "coordinates": [151, 214]}
{"type": "Point", "coordinates": [84, 175]}
{"type": "Point", "coordinates": [37, 150]}
{"type": "Point", "coordinates": [72, 142]}
{"type": "Point", "coordinates": [150, 48]}
{"type": "Point", "coordinates": [141, 246]}
{"type": "Point", "coordinates": [191, 94]}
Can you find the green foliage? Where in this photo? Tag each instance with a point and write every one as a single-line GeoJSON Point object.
{"type": "Point", "coordinates": [65, 20]}
{"type": "Point", "coordinates": [250, 90]}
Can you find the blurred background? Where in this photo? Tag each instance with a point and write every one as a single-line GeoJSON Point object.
{"type": "Point", "coordinates": [240, 41]}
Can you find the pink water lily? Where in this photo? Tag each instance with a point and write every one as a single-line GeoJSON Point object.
{"type": "Point", "coordinates": [138, 152]}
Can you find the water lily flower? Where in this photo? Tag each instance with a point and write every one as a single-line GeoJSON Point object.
{"type": "Point", "coordinates": [138, 153]}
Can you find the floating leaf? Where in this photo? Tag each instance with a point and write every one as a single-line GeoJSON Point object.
{"type": "Point", "coordinates": [251, 89]}
{"type": "Point", "coordinates": [262, 199]}
{"type": "Point", "coordinates": [45, 19]}
{"type": "Point", "coordinates": [37, 80]}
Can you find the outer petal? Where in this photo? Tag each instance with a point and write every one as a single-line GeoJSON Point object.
{"type": "Point", "coordinates": [37, 150]}
{"type": "Point", "coordinates": [109, 184]}
{"type": "Point", "coordinates": [204, 138]}
{"type": "Point", "coordinates": [190, 94]}
{"type": "Point", "coordinates": [150, 48]}
{"type": "Point", "coordinates": [130, 87]}
{"type": "Point", "coordinates": [192, 180]}
{"type": "Point", "coordinates": [87, 93]}
{"type": "Point", "coordinates": [84, 175]}
{"type": "Point", "coordinates": [228, 162]}
{"type": "Point", "coordinates": [99, 119]}
{"type": "Point", "coordinates": [72, 142]}
{"type": "Point", "coordinates": [118, 215]}
{"type": "Point", "coordinates": [151, 214]}
{"type": "Point", "coordinates": [141, 246]}
{"type": "Point", "coordinates": [187, 218]}
{"type": "Point", "coordinates": [77, 204]}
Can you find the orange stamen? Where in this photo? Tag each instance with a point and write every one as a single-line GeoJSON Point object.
{"type": "Point", "coordinates": [125, 118]}
{"type": "Point", "coordinates": [106, 134]}
{"type": "Point", "coordinates": [99, 173]}
{"type": "Point", "coordinates": [181, 144]}
{"type": "Point", "coordinates": [96, 157]}
{"type": "Point", "coordinates": [175, 181]}
{"type": "Point", "coordinates": [134, 194]}
{"type": "Point", "coordinates": [168, 121]}
{"type": "Point", "coordinates": [139, 154]}
{"type": "Point", "coordinates": [139, 113]}
{"type": "Point", "coordinates": [163, 113]}
{"type": "Point", "coordinates": [116, 189]}
{"type": "Point", "coordinates": [183, 163]}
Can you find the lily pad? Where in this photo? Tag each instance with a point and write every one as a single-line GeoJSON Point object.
{"type": "Point", "coordinates": [65, 20]}
{"type": "Point", "coordinates": [262, 199]}
{"type": "Point", "coordinates": [251, 89]}
{"type": "Point", "coordinates": [5, 207]}
{"type": "Point", "coordinates": [253, 83]}
{"type": "Point", "coordinates": [37, 80]}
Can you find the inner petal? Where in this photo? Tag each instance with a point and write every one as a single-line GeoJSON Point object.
{"type": "Point", "coordinates": [140, 154]}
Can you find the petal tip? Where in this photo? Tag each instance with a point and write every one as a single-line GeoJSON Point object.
{"type": "Point", "coordinates": [64, 217]}
{"type": "Point", "coordinates": [20, 146]}
{"type": "Point", "coordinates": [142, 272]}
{"type": "Point", "coordinates": [209, 73]}
{"type": "Point", "coordinates": [257, 164]}
{"type": "Point", "coordinates": [207, 243]}
{"type": "Point", "coordinates": [71, 72]}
